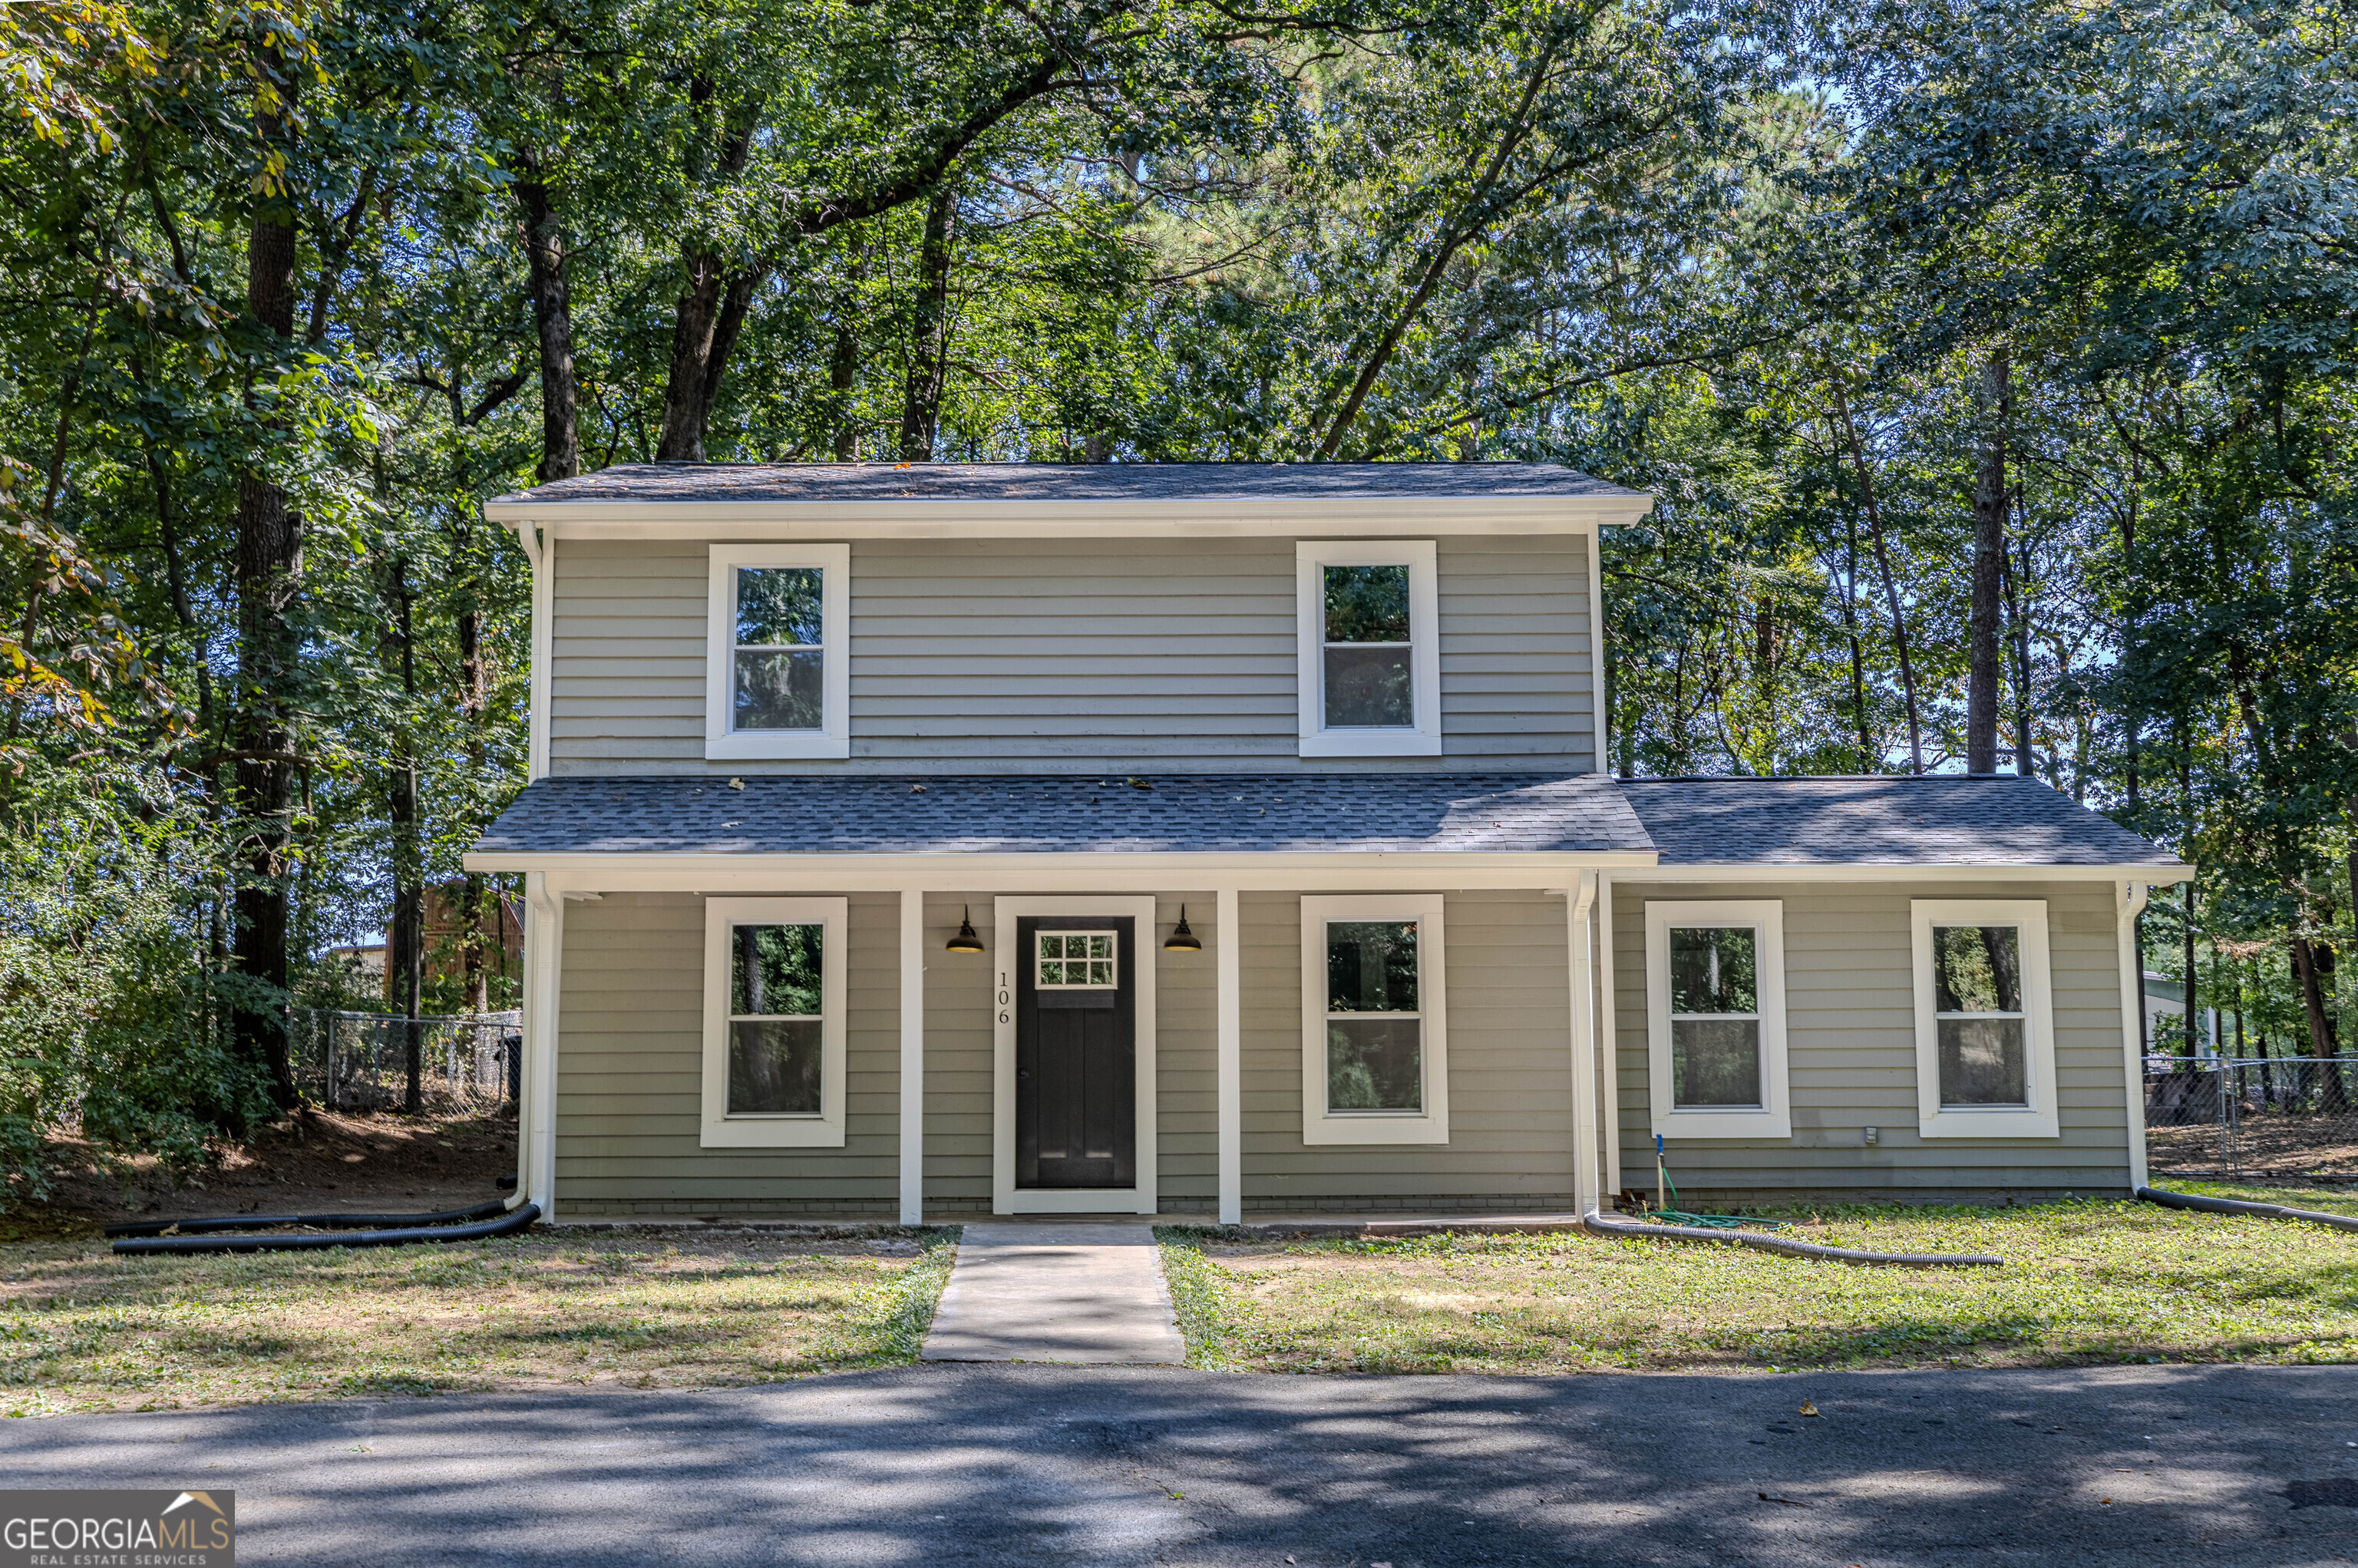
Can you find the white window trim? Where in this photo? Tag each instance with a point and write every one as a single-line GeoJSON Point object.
{"type": "Point", "coordinates": [833, 738]}
{"type": "Point", "coordinates": [2037, 1120]}
{"type": "Point", "coordinates": [1004, 950]}
{"type": "Point", "coordinates": [1424, 651]}
{"type": "Point", "coordinates": [721, 1129]}
{"type": "Point", "coordinates": [1364, 1127]}
{"type": "Point", "coordinates": [1774, 1117]}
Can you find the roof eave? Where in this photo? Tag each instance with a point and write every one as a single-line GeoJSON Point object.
{"type": "Point", "coordinates": [924, 518]}
{"type": "Point", "coordinates": [2158, 872]}
{"type": "Point", "coordinates": [1049, 871]}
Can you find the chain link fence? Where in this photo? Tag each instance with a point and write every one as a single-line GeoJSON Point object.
{"type": "Point", "coordinates": [2252, 1116]}
{"type": "Point", "coordinates": [359, 1060]}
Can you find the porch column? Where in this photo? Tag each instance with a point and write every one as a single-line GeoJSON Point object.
{"type": "Point", "coordinates": [912, 1058]}
{"type": "Point", "coordinates": [1579, 902]}
{"type": "Point", "coordinates": [1230, 944]}
{"type": "Point", "coordinates": [2132, 904]}
{"type": "Point", "coordinates": [1608, 1043]}
{"type": "Point", "coordinates": [536, 1117]}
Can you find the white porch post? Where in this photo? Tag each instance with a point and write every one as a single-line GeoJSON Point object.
{"type": "Point", "coordinates": [912, 1058]}
{"type": "Point", "coordinates": [536, 1117]}
{"type": "Point", "coordinates": [1230, 944]}
{"type": "Point", "coordinates": [2132, 904]}
{"type": "Point", "coordinates": [1608, 1045]}
{"type": "Point", "coordinates": [1587, 1174]}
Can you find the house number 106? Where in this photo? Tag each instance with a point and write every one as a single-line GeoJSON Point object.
{"type": "Point", "coordinates": [1003, 996]}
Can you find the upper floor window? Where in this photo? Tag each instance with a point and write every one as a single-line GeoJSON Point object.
{"type": "Point", "coordinates": [1985, 1020]}
{"type": "Point", "coordinates": [1370, 649]}
{"type": "Point", "coordinates": [777, 682]}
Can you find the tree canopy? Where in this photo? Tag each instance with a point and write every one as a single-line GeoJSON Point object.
{"type": "Point", "coordinates": [1993, 365]}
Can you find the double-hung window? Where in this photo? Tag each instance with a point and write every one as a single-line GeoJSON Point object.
{"type": "Point", "coordinates": [1984, 1025]}
{"type": "Point", "coordinates": [1366, 616]}
{"type": "Point", "coordinates": [773, 1022]}
{"type": "Point", "coordinates": [1375, 1038]}
{"type": "Point", "coordinates": [1715, 1019]}
{"type": "Point", "coordinates": [778, 669]}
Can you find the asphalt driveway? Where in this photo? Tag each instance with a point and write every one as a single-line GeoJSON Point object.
{"type": "Point", "coordinates": [941, 1465]}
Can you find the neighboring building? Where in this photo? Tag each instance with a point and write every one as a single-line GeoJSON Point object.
{"type": "Point", "coordinates": [1232, 838]}
{"type": "Point", "coordinates": [363, 961]}
{"type": "Point", "coordinates": [2164, 1020]}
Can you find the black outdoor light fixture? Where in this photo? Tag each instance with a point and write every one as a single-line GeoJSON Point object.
{"type": "Point", "coordinates": [1183, 940]}
{"type": "Point", "coordinates": [966, 941]}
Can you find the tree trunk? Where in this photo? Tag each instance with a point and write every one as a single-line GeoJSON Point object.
{"type": "Point", "coordinates": [1989, 566]}
{"type": "Point", "coordinates": [1866, 757]}
{"type": "Point", "coordinates": [552, 314]}
{"type": "Point", "coordinates": [692, 368]}
{"type": "Point", "coordinates": [269, 572]}
{"type": "Point", "coordinates": [2186, 952]}
{"type": "Point", "coordinates": [407, 957]}
{"type": "Point", "coordinates": [921, 405]}
{"type": "Point", "coordinates": [842, 375]}
{"type": "Point", "coordinates": [1890, 585]}
{"type": "Point", "coordinates": [2017, 611]}
{"type": "Point", "coordinates": [2311, 971]}
{"type": "Point", "coordinates": [474, 697]}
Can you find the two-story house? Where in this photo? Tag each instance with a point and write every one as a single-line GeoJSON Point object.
{"type": "Point", "coordinates": [1222, 839]}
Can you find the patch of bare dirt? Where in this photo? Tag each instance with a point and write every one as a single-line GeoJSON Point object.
{"type": "Point", "coordinates": [316, 1162]}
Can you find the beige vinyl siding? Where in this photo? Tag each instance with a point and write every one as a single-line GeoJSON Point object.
{"type": "Point", "coordinates": [1040, 654]}
{"type": "Point", "coordinates": [1851, 1046]}
{"type": "Point", "coordinates": [957, 1057]}
{"type": "Point", "coordinates": [630, 1070]}
{"type": "Point", "coordinates": [631, 1060]}
{"type": "Point", "coordinates": [1510, 1069]}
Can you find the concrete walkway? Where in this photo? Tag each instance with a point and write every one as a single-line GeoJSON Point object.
{"type": "Point", "coordinates": [1084, 1292]}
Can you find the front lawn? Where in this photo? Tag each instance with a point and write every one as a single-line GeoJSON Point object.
{"type": "Point", "coordinates": [2084, 1281]}
{"type": "Point", "coordinates": [82, 1329]}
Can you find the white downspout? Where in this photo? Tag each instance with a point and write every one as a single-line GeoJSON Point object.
{"type": "Point", "coordinates": [2132, 897]}
{"type": "Point", "coordinates": [1597, 728]}
{"type": "Point", "coordinates": [542, 554]}
{"type": "Point", "coordinates": [536, 1139]}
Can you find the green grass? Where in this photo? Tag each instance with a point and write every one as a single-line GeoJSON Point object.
{"type": "Point", "coordinates": [2331, 1200]}
{"type": "Point", "coordinates": [82, 1329]}
{"type": "Point", "coordinates": [2084, 1282]}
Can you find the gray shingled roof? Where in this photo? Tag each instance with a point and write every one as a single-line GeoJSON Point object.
{"type": "Point", "coordinates": [1945, 819]}
{"type": "Point", "coordinates": [1338, 813]}
{"type": "Point", "coordinates": [1063, 482]}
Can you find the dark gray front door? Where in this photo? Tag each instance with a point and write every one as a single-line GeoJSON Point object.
{"type": "Point", "coordinates": [1076, 1051]}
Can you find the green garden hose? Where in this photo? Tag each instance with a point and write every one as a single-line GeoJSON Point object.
{"type": "Point", "coordinates": [1667, 1191]}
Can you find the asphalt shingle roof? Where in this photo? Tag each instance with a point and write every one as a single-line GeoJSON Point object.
{"type": "Point", "coordinates": [1338, 813]}
{"type": "Point", "coordinates": [1945, 819]}
{"type": "Point", "coordinates": [1063, 482]}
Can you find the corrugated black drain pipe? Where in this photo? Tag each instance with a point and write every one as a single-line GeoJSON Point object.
{"type": "Point", "coordinates": [1599, 1224]}
{"type": "Point", "coordinates": [2237, 1205]}
{"type": "Point", "coordinates": [217, 1233]}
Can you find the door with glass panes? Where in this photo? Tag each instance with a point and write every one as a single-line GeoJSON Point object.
{"type": "Point", "coordinates": [1075, 1053]}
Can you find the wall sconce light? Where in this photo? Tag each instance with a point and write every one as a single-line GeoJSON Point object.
{"type": "Point", "coordinates": [1183, 940]}
{"type": "Point", "coordinates": [966, 941]}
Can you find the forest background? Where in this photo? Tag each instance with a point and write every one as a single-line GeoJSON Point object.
{"type": "Point", "coordinates": [1991, 363]}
